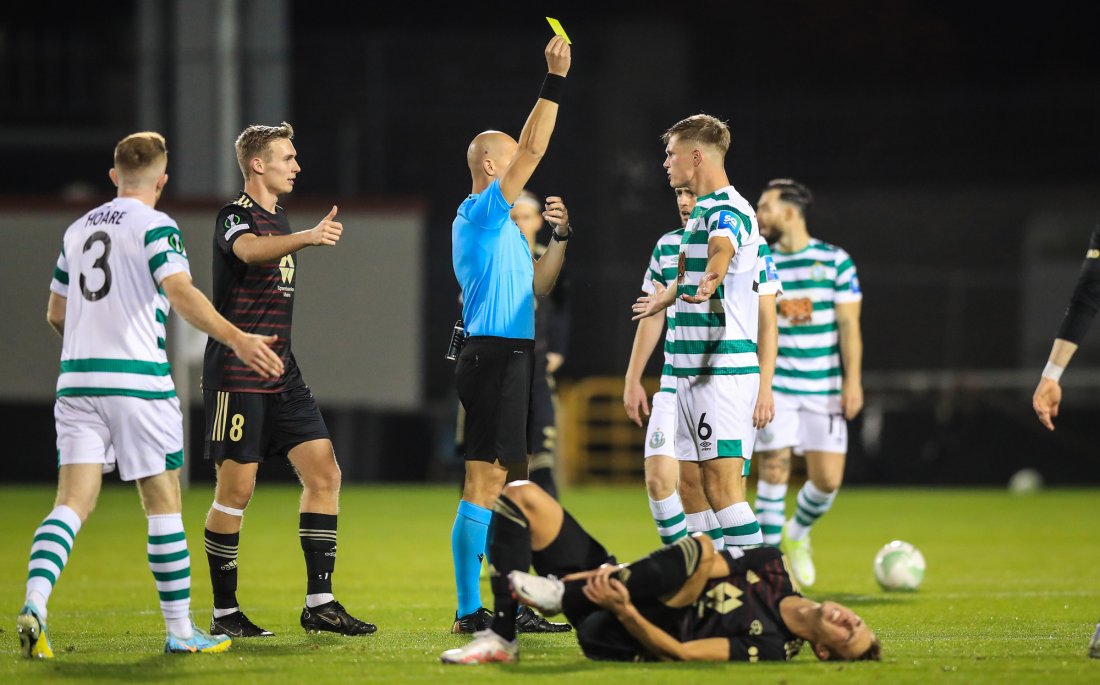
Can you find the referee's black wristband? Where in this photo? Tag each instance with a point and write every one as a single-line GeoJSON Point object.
{"type": "Point", "coordinates": [552, 87]}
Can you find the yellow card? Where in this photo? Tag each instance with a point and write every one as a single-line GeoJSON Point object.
{"type": "Point", "coordinates": [556, 25]}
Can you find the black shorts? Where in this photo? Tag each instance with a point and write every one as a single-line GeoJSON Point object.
{"type": "Point", "coordinates": [493, 377]}
{"type": "Point", "coordinates": [249, 427]}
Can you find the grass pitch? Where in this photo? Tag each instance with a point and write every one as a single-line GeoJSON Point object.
{"type": "Point", "coordinates": [1011, 593]}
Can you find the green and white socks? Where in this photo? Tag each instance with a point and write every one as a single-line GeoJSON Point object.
{"type": "Point", "coordinates": [812, 505]}
{"type": "Point", "coordinates": [668, 514]}
{"type": "Point", "coordinates": [707, 522]}
{"type": "Point", "coordinates": [53, 542]}
{"type": "Point", "coordinates": [770, 510]}
{"type": "Point", "coordinates": [739, 526]}
{"type": "Point", "coordinates": [170, 563]}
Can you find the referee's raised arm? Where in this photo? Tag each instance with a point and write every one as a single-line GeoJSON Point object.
{"type": "Point", "coordinates": [535, 136]}
{"type": "Point", "coordinates": [1083, 305]}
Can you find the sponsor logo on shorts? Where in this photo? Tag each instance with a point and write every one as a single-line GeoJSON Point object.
{"type": "Point", "coordinates": [705, 445]}
{"type": "Point", "coordinates": [657, 439]}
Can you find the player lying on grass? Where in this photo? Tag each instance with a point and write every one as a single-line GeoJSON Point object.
{"type": "Point", "coordinates": [684, 602]}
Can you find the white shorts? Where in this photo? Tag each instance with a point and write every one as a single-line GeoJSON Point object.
{"type": "Point", "coordinates": [660, 433]}
{"type": "Point", "coordinates": [804, 429]}
{"type": "Point", "coordinates": [714, 418]}
{"type": "Point", "coordinates": [141, 437]}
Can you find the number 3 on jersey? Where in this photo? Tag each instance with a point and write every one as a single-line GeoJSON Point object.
{"type": "Point", "coordinates": [99, 264]}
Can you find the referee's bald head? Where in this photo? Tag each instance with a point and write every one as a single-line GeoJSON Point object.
{"type": "Point", "coordinates": [490, 153]}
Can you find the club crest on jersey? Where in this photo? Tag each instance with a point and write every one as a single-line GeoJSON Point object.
{"type": "Point", "coordinates": [657, 439]}
{"type": "Point", "coordinates": [817, 271]}
{"type": "Point", "coordinates": [728, 220]}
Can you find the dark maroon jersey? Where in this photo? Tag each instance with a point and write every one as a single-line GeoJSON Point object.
{"type": "Point", "coordinates": [257, 298]}
{"type": "Point", "coordinates": [744, 608]}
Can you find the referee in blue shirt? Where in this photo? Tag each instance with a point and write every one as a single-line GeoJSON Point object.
{"type": "Point", "coordinates": [499, 281]}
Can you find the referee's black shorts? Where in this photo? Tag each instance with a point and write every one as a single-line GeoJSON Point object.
{"type": "Point", "coordinates": [494, 385]}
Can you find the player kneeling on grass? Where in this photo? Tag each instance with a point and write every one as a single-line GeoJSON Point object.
{"type": "Point", "coordinates": [684, 602]}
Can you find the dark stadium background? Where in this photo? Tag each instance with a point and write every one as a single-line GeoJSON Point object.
{"type": "Point", "coordinates": [952, 147]}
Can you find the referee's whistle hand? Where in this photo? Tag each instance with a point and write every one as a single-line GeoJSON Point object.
{"type": "Point", "coordinates": [556, 213]}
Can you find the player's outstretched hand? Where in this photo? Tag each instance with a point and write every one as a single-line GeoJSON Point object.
{"type": "Point", "coordinates": [851, 400]}
{"type": "Point", "coordinates": [765, 408]}
{"type": "Point", "coordinates": [328, 231]}
{"type": "Point", "coordinates": [707, 285]}
{"type": "Point", "coordinates": [556, 213]}
{"type": "Point", "coordinates": [635, 402]}
{"type": "Point", "coordinates": [255, 350]}
{"type": "Point", "coordinates": [1048, 395]}
{"type": "Point", "coordinates": [648, 305]}
{"type": "Point", "coordinates": [558, 56]}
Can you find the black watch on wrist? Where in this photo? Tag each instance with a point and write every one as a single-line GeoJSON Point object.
{"type": "Point", "coordinates": [562, 238]}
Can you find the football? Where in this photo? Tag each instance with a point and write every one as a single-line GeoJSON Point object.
{"type": "Point", "coordinates": [899, 566]}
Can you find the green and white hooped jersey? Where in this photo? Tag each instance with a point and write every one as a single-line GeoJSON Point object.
{"type": "Point", "coordinates": [718, 337]}
{"type": "Point", "coordinates": [111, 264]}
{"type": "Point", "coordinates": [662, 268]}
{"type": "Point", "coordinates": [815, 280]}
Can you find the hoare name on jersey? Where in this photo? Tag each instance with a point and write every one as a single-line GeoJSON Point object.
{"type": "Point", "coordinates": [105, 216]}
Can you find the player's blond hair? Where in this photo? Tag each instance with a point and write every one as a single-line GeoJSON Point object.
{"type": "Point", "coordinates": [255, 141]}
{"type": "Point", "coordinates": [701, 128]}
{"type": "Point", "coordinates": [139, 151]}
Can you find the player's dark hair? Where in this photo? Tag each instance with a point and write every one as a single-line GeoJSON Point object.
{"type": "Point", "coordinates": [792, 192]}
{"type": "Point", "coordinates": [139, 150]}
{"type": "Point", "coordinates": [254, 140]}
{"type": "Point", "coordinates": [701, 128]}
{"type": "Point", "coordinates": [872, 653]}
